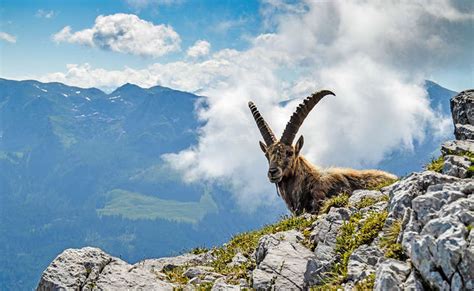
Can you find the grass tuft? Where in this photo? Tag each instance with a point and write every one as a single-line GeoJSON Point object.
{"type": "Point", "coordinates": [436, 165]}
{"type": "Point", "coordinates": [199, 250]}
{"type": "Point", "coordinates": [369, 201]}
{"type": "Point", "coordinates": [367, 283]}
{"type": "Point", "coordinates": [340, 200]}
{"type": "Point", "coordinates": [378, 187]}
{"type": "Point", "coordinates": [389, 244]}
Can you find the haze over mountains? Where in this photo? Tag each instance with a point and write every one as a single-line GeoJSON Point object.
{"type": "Point", "coordinates": [82, 167]}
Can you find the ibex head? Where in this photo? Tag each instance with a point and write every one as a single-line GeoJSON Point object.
{"type": "Point", "coordinates": [281, 154]}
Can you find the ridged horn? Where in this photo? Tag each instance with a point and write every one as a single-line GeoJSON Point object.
{"type": "Point", "coordinates": [300, 114]}
{"type": "Point", "coordinates": [265, 130]}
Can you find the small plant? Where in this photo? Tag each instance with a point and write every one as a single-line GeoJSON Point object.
{"type": "Point", "coordinates": [389, 244]}
{"type": "Point", "coordinates": [175, 275]}
{"type": "Point", "coordinates": [436, 165]}
{"type": "Point", "coordinates": [378, 187]}
{"type": "Point", "coordinates": [207, 286]}
{"type": "Point", "coordinates": [366, 284]}
{"type": "Point", "coordinates": [369, 201]}
{"type": "Point", "coordinates": [340, 200]}
{"type": "Point", "coordinates": [470, 227]}
{"type": "Point", "coordinates": [199, 250]}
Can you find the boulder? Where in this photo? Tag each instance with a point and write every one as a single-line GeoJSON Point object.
{"type": "Point", "coordinates": [363, 262]}
{"type": "Point", "coordinates": [281, 262]}
{"type": "Point", "coordinates": [456, 166]}
{"type": "Point", "coordinates": [391, 274]}
{"type": "Point", "coordinates": [457, 147]}
{"type": "Point", "coordinates": [462, 110]}
{"type": "Point", "coordinates": [91, 268]}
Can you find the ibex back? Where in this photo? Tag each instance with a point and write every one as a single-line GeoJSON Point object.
{"type": "Point", "coordinates": [302, 186]}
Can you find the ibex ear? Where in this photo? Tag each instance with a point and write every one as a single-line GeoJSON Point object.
{"type": "Point", "coordinates": [299, 145]}
{"type": "Point", "coordinates": [263, 147]}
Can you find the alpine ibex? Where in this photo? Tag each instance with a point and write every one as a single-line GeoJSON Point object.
{"type": "Point", "coordinates": [303, 186]}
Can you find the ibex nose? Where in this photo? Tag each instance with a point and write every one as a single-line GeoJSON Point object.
{"type": "Point", "coordinates": [273, 171]}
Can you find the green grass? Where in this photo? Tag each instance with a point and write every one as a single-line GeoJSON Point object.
{"type": "Point", "coordinates": [367, 283]}
{"type": "Point", "coordinates": [379, 186]}
{"type": "Point", "coordinates": [199, 250]}
{"type": "Point", "coordinates": [246, 243]}
{"type": "Point", "coordinates": [135, 206]}
{"type": "Point", "coordinates": [340, 200]}
{"type": "Point", "coordinates": [352, 234]}
{"type": "Point", "coordinates": [369, 201]}
{"type": "Point", "coordinates": [470, 227]}
{"type": "Point", "coordinates": [389, 244]}
{"type": "Point", "coordinates": [436, 165]}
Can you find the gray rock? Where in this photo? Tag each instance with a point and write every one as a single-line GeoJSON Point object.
{"type": "Point", "coordinates": [90, 268]}
{"type": "Point", "coordinates": [198, 271]}
{"type": "Point", "coordinates": [391, 274]}
{"type": "Point", "coordinates": [221, 285]}
{"type": "Point", "coordinates": [457, 147]}
{"type": "Point", "coordinates": [363, 262]}
{"type": "Point", "coordinates": [456, 166]}
{"type": "Point", "coordinates": [358, 195]}
{"type": "Point", "coordinates": [173, 262]}
{"type": "Point", "coordinates": [435, 236]}
{"type": "Point", "coordinates": [281, 262]}
{"type": "Point", "coordinates": [464, 131]}
{"type": "Point", "coordinates": [403, 192]}
{"type": "Point", "coordinates": [324, 234]}
{"type": "Point", "coordinates": [462, 108]}
{"type": "Point", "coordinates": [238, 259]}
{"type": "Point", "coordinates": [413, 282]}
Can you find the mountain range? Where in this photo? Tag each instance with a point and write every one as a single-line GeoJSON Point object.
{"type": "Point", "coordinates": [82, 167]}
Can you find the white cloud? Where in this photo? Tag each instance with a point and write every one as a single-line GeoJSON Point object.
{"type": "Point", "coordinates": [373, 56]}
{"type": "Point", "coordinates": [200, 48]}
{"type": "Point", "coordinates": [124, 33]}
{"type": "Point", "coordinates": [45, 14]}
{"type": "Point", "coordinates": [7, 37]}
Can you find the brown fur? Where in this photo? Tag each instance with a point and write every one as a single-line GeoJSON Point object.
{"type": "Point", "coordinates": [304, 187]}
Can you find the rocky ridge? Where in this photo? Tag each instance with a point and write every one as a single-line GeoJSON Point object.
{"type": "Point", "coordinates": [415, 234]}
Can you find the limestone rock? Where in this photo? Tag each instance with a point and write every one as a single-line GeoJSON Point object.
{"type": "Point", "coordinates": [462, 110]}
{"type": "Point", "coordinates": [464, 131]}
{"type": "Point", "coordinates": [358, 195]}
{"type": "Point", "coordinates": [363, 262]}
{"type": "Point", "coordinates": [324, 234]}
{"type": "Point", "coordinates": [391, 274]}
{"type": "Point", "coordinates": [457, 147]}
{"type": "Point", "coordinates": [173, 262]}
{"type": "Point", "coordinates": [456, 166]}
{"type": "Point", "coordinates": [281, 262]}
{"type": "Point", "coordinates": [90, 268]}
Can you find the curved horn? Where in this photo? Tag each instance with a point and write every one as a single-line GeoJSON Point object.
{"type": "Point", "coordinates": [265, 130]}
{"type": "Point", "coordinates": [300, 114]}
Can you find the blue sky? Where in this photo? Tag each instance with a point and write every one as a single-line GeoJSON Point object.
{"type": "Point", "coordinates": [226, 24]}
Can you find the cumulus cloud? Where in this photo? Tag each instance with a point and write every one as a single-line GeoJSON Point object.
{"type": "Point", "coordinates": [124, 33]}
{"type": "Point", "coordinates": [7, 37]}
{"type": "Point", "coordinates": [373, 56]}
{"type": "Point", "coordinates": [45, 14]}
{"type": "Point", "coordinates": [200, 48]}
